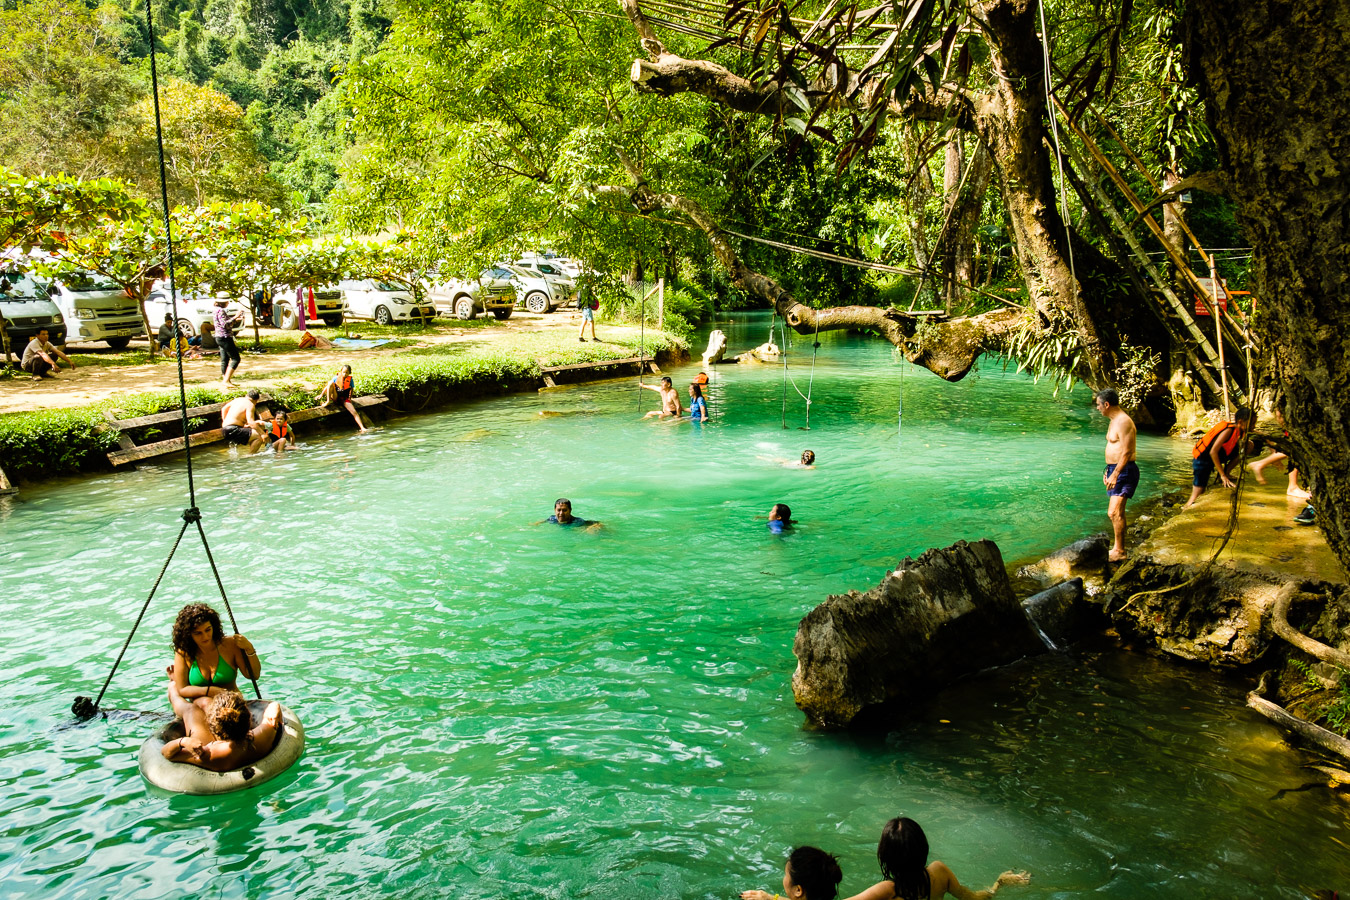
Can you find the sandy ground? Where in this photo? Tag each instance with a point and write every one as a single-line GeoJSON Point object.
{"type": "Point", "coordinates": [91, 383]}
{"type": "Point", "coordinates": [1267, 538]}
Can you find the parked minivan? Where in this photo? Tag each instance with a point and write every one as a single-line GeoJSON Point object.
{"type": "Point", "coordinates": [27, 308]}
{"type": "Point", "coordinates": [97, 310]}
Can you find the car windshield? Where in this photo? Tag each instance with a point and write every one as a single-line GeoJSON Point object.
{"type": "Point", "coordinates": [495, 273]}
{"type": "Point", "coordinates": [84, 281]}
{"type": "Point", "coordinates": [547, 269]}
{"type": "Point", "coordinates": [388, 286]}
{"type": "Point", "coordinates": [19, 287]}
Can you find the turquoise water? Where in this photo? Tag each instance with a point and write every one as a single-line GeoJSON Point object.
{"type": "Point", "coordinates": [499, 709]}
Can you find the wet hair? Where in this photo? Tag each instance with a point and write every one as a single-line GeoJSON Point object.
{"type": "Point", "coordinates": [282, 414]}
{"type": "Point", "coordinates": [903, 855]}
{"type": "Point", "coordinates": [562, 500]}
{"type": "Point", "coordinates": [783, 510]}
{"type": "Point", "coordinates": [1108, 396]}
{"type": "Point", "coordinates": [189, 617]}
{"type": "Point", "coordinates": [665, 379]}
{"type": "Point", "coordinates": [228, 717]}
{"type": "Point", "coordinates": [808, 457]}
{"type": "Point", "coordinates": [696, 390]}
{"type": "Point", "coordinates": [253, 394]}
{"type": "Point", "coordinates": [345, 370]}
{"type": "Point", "coordinates": [815, 872]}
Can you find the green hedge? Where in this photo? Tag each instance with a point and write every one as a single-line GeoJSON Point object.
{"type": "Point", "coordinates": [47, 443]}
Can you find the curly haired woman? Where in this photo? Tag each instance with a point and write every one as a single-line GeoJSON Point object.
{"type": "Point", "coordinates": [223, 737]}
{"type": "Point", "coordinates": [205, 663]}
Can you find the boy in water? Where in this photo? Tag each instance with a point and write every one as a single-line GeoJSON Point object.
{"type": "Point", "coordinates": [670, 399]}
{"type": "Point", "coordinates": [279, 435]}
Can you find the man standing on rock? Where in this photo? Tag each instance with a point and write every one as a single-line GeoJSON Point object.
{"type": "Point", "coordinates": [1122, 472]}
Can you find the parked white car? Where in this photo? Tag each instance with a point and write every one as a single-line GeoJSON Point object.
{"type": "Point", "coordinates": [384, 302]}
{"type": "Point", "coordinates": [493, 291]}
{"type": "Point", "coordinates": [566, 285]}
{"type": "Point", "coordinates": [537, 293]}
{"type": "Point", "coordinates": [193, 313]}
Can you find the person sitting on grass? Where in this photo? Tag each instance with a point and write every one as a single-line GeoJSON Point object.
{"type": "Point", "coordinates": [338, 392]}
{"type": "Point", "coordinates": [279, 436]}
{"type": "Point", "coordinates": [223, 737]}
{"type": "Point", "coordinates": [164, 339]}
{"type": "Point", "coordinates": [41, 355]}
{"type": "Point", "coordinates": [903, 855]}
{"type": "Point", "coordinates": [810, 874]}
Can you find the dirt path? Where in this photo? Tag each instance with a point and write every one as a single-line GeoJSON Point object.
{"type": "Point", "coordinates": [91, 383]}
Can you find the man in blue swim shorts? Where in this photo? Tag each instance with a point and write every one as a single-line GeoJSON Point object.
{"type": "Point", "coordinates": [1122, 472]}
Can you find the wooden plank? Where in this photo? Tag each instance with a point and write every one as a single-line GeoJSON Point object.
{"type": "Point", "coordinates": [656, 370]}
{"type": "Point", "coordinates": [123, 441]}
{"type": "Point", "coordinates": [605, 363]}
{"type": "Point", "coordinates": [173, 415]}
{"type": "Point", "coordinates": [160, 448]}
{"type": "Point", "coordinates": [548, 380]}
{"type": "Point", "coordinates": [320, 412]}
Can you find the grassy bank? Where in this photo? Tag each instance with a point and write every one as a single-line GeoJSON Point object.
{"type": "Point", "coordinates": [47, 443]}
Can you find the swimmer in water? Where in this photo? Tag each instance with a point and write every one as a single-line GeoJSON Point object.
{"type": "Point", "coordinates": [698, 407]}
{"type": "Point", "coordinates": [810, 874]}
{"type": "Point", "coordinates": [808, 459]}
{"type": "Point", "coordinates": [562, 515]}
{"type": "Point", "coordinates": [780, 518]}
{"type": "Point", "coordinates": [670, 399]}
{"type": "Point", "coordinates": [223, 737]}
{"type": "Point", "coordinates": [903, 854]}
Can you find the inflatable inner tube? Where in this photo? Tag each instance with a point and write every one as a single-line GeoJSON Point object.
{"type": "Point", "coordinates": [185, 778]}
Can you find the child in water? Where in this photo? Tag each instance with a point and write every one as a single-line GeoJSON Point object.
{"type": "Point", "coordinates": [780, 518]}
{"type": "Point", "coordinates": [903, 854]}
{"type": "Point", "coordinates": [810, 874]}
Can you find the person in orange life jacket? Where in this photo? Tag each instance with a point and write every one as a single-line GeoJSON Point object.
{"type": "Point", "coordinates": [338, 392]}
{"type": "Point", "coordinates": [279, 435]}
{"type": "Point", "coordinates": [1218, 450]}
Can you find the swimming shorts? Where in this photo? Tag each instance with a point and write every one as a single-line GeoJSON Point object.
{"type": "Point", "coordinates": [1127, 481]}
{"type": "Point", "coordinates": [272, 439]}
{"type": "Point", "coordinates": [587, 314]}
{"type": "Point", "coordinates": [1202, 467]}
{"type": "Point", "coordinates": [238, 434]}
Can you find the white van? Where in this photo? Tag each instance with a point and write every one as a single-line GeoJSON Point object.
{"type": "Point", "coordinates": [97, 310]}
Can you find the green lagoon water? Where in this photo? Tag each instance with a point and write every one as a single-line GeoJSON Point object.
{"type": "Point", "coordinates": [499, 709]}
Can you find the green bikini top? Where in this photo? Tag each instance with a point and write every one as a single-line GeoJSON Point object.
{"type": "Point", "coordinates": [224, 677]}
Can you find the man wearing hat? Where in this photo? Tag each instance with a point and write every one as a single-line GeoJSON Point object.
{"type": "Point", "coordinates": [229, 350]}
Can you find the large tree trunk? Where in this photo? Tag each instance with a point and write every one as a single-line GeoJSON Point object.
{"type": "Point", "coordinates": [1272, 74]}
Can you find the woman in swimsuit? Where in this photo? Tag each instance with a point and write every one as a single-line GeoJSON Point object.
{"type": "Point", "coordinates": [223, 737]}
{"type": "Point", "coordinates": [903, 854]}
{"type": "Point", "coordinates": [698, 407]}
{"type": "Point", "coordinates": [810, 874]}
{"type": "Point", "coordinates": [205, 663]}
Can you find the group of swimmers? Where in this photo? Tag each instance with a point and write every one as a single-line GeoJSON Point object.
{"type": "Point", "coordinates": [670, 399]}
{"type": "Point", "coordinates": [813, 874]}
{"type": "Point", "coordinates": [242, 424]}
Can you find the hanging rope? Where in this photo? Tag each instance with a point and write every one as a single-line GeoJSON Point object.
{"type": "Point", "coordinates": [783, 352]}
{"type": "Point", "coordinates": [83, 707]}
{"type": "Point", "coordinates": [642, 347]}
{"type": "Point", "coordinates": [900, 409]}
{"type": "Point", "coordinates": [1059, 153]}
{"type": "Point", "coordinates": [811, 382]}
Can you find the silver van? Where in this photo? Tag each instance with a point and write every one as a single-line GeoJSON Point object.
{"type": "Point", "coordinates": [97, 310]}
{"type": "Point", "coordinates": [26, 307]}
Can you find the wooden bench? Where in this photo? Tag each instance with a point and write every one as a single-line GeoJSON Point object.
{"type": "Point", "coordinates": [129, 452]}
{"type": "Point", "coordinates": [642, 362]}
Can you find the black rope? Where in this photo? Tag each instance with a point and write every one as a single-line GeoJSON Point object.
{"type": "Point", "coordinates": [82, 707]}
{"type": "Point", "coordinates": [243, 657]}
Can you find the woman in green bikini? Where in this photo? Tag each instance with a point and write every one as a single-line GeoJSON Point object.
{"type": "Point", "coordinates": [205, 662]}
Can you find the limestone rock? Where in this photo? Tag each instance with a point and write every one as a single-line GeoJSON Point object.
{"type": "Point", "coordinates": [1062, 614]}
{"type": "Point", "coordinates": [717, 348]}
{"type": "Point", "coordinates": [1081, 559]}
{"type": "Point", "coordinates": [862, 657]}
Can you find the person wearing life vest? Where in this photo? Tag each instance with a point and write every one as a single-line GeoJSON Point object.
{"type": "Point", "coordinates": [338, 392]}
{"type": "Point", "coordinates": [279, 435]}
{"type": "Point", "coordinates": [1217, 451]}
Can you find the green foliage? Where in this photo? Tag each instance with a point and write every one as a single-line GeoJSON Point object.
{"type": "Point", "coordinates": [1336, 713]}
{"type": "Point", "coordinates": [1136, 375]}
{"type": "Point", "coordinates": [1056, 352]}
{"type": "Point", "coordinates": [52, 442]}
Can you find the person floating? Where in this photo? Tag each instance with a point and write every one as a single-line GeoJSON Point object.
{"type": "Point", "coordinates": [40, 357]}
{"type": "Point", "coordinates": [223, 737]}
{"type": "Point", "coordinates": [1218, 450]}
{"type": "Point", "coordinates": [698, 407]}
{"type": "Point", "coordinates": [279, 436]}
{"type": "Point", "coordinates": [670, 399]}
{"type": "Point", "coordinates": [810, 874]}
{"type": "Point", "coordinates": [1121, 476]}
{"type": "Point", "coordinates": [808, 459]}
{"type": "Point", "coordinates": [780, 518]}
{"type": "Point", "coordinates": [338, 392]}
{"type": "Point", "coordinates": [239, 420]}
{"type": "Point", "coordinates": [205, 662]}
{"type": "Point", "coordinates": [903, 854]}
{"type": "Point", "coordinates": [223, 325]}
{"type": "Point", "coordinates": [588, 303]}
{"type": "Point", "coordinates": [562, 515]}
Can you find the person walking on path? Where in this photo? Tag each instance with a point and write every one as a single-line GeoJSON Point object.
{"type": "Point", "coordinates": [1218, 450]}
{"type": "Point", "coordinates": [223, 325]}
{"type": "Point", "coordinates": [40, 357]}
{"type": "Point", "coordinates": [588, 303]}
{"type": "Point", "coordinates": [338, 392]}
{"type": "Point", "coordinates": [1122, 472]}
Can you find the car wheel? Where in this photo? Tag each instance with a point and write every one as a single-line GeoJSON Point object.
{"type": "Point", "coordinates": [382, 316]}
{"type": "Point", "coordinates": [333, 321]}
{"type": "Point", "coordinates": [119, 343]}
{"type": "Point", "coordinates": [464, 308]}
{"type": "Point", "coordinates": [185, 328]}
{"type": "Point", "coordinates": [537, 302]}
{"type": "Point", "coordinates": [502, 314]}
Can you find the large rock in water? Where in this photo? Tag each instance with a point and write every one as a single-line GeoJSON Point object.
{"type": "Point", "coordinates": [865, 657]}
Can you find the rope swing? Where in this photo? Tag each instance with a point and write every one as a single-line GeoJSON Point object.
{"type": "Point", "coordinates": [810, 384]}
{"type": "Point", "coordinates": [83, 707]}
